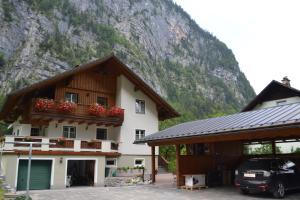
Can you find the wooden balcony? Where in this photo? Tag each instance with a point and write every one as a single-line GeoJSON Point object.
{"type": "Point", "coordinates": [80, 115]}
{"type": "Point", "coordinates": [61, 144]}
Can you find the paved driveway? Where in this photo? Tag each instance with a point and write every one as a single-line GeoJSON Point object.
{"type": "Point", "coordinates": [149, 192]}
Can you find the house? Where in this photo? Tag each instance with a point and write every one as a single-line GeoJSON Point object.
{"type": "Point", "coordinates": [268, 126]}
{"type": "Point", "coordinates": [90, 115]}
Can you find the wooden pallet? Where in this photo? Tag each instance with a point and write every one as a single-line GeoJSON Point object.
{"type": "Point", "coordinates": [198, 187]}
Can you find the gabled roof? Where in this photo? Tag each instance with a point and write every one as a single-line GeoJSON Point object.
{"type": "Point", "coordinates": [273, 117]}
{"type": "Point", "coordinates": [274, 91]}
{"type": "Point", "coordinates": [165, 111]}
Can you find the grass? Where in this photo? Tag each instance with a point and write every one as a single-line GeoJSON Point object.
{"type": "Point", "coordinates": [1, 191]}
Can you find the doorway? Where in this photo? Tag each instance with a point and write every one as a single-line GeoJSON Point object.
{"type": "Point", "coordinates": [80, 173]}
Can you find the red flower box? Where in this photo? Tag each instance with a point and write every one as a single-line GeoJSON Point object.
{"type": "Point", "coordinates": [97, 110]}
{"type": "Point", "coordinates": [43, 104]}
{"type": "Point", "coordinates": [66, 107]}
{"type": "Point", "coordinates": [115, 112]}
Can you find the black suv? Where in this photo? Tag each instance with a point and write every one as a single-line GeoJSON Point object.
{"type": "Point", "coordinates": [267, 175]}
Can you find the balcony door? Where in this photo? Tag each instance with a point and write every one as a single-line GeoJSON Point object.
{"type": "Point", "coordinates": [69, 131]}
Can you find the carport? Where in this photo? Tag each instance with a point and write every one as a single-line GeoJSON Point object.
{"type": "Point", "coordinates": [216, 146]}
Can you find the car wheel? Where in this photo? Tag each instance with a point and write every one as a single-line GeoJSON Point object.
{"type": "Point", "coordinates": [279, 190]}
{"type": "Point", "coordinates": [244, 191]}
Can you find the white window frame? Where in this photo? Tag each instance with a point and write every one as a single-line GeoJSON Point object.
{"type": "Point", "coordinates": [139, 134]}
{"type": "Point", "coordinates": [111, 159]}
{"type": "Point", "coordinates": [35, 127]}
{"type": "Point", "coordinates": [69, 131]}
{"type": "Point", "coordinates": [138, 107]}
{"type": "Point", "coordinates": [106, 133]}
{"type": "Point", "coordinates": [137, 165]}
{"type": "Point", "coordinates": [72, 97]}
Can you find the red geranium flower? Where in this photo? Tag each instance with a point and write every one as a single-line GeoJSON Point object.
{"type": "Point", "coordinates": [116, 112]}
{"type": "Point", "coordinates": [43, 104]}
{"type": "Point", "coordinates": [66, 106]}
{"type": "Point", "coordinates": [97, 110]}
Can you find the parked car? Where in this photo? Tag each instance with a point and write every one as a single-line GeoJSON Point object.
{"type": "Point", "coordinates": [272, 175]}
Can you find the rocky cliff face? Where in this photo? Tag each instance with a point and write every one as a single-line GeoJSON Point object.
{"type": "Point", "coordinates": [195, 71]}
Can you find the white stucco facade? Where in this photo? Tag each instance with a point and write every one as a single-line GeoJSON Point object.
{"type": "Point", "coordinates": [268, 104]}
{"type": "Point", "coordinates": [126, 98]}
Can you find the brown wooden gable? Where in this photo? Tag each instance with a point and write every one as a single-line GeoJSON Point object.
{"type": "Point", "coordinates": [89, 85]}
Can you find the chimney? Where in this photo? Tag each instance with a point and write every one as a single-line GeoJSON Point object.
{"type": "Point", "coordinates": [286, 81]}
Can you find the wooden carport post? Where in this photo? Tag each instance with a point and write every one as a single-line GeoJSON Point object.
{"type": "Point", "coordinates": [273, 148]}
{"type": "Point", "coordinates": [178, 175]}
{"type": "Point", "coordinates": [153, 163]}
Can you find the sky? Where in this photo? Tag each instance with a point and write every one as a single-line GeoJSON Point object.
{"type": "Point", "coordinates": [264, 35]}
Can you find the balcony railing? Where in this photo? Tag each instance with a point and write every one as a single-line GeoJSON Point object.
{"type": "Point", "coordinates": [61, 144]}
{"type": "Point", "coordinates": [80, 114]}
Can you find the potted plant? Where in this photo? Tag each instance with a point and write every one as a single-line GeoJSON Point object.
{"type": "Point", "coordinates": [42, 104]}
{"type": "Point", "coordinates": [66, 106]}
{"type": "Point", "coordinates": [91, 143]}
{"type": "Point", "coordinates": [61, 141]}
{"type": "Point", "coordinates": [27, 139]}
{"type": "Point", "coordinates": [97, 110]}
{"type": "Point", "coordinates": [115, 112]}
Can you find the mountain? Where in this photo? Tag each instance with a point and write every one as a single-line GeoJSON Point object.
{"type": "Point", "coordinates": [187, 65]}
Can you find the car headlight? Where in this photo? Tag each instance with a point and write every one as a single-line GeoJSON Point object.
{"type": "Point", "coordinates": [236, 172]}
{"type": "Point", "coordinates": [267, 174]}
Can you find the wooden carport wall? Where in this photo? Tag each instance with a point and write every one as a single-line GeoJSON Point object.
{"type": "Point", "coordinates": [267, 133]}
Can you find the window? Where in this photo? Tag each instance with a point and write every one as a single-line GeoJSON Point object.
{"type": "Point", "coordinates": [35, 131]}
{"type": "Point", "coordinates": [102, 101]}
{"type": "Point", "coordinates": [71, 97]}
{"type": "Point", "coordinates": [69, 131]}
{"type": "Point", "coordinates": [287, 146]}
{"type": "Point", "coordinates": [140, 106]}
{"type": "Point", "coordinates": [139, 162]}
{"type": "Point", "coordinates": [258, 148]}
{"type": "Point", "coordinates": [282, 102]}
{"type": "Point", "coordinates": [139, 134]}
{"type": "Point", "coordinates": [112, 162]}
{"type": "Point", "coordinates": [101, 134]}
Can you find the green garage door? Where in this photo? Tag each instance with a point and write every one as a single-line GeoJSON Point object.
{"type": "Point", "coordinates": [40, 174]}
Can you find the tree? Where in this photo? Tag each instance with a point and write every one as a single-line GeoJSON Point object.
{"type": "Point", "coordinates": [262, 149]}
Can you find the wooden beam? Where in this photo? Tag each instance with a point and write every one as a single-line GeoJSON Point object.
{"type": "Point", "coordinates": [153, 163]}
{"type": "Point", "coordinates": [273, 148]}
{"type": "Point", "coordinates": [81, 122]}
{"type": "Point", "coordinates": [60, 121]}
{"type": "Point", "coordinates": [178, 174]}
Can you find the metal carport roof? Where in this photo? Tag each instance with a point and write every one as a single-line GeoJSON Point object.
{"type": "Point", "coordinates": [257, 119]}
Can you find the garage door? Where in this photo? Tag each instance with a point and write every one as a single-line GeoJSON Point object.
{"type": "Point", "coordinates": [40, 174]}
